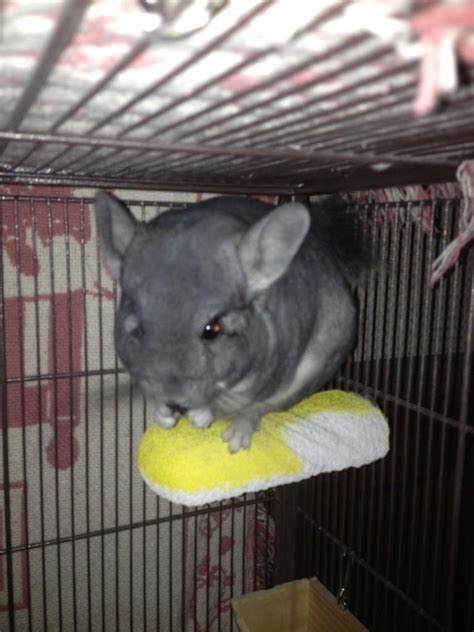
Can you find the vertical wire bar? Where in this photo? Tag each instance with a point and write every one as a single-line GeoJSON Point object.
{"type": "Point", "coordinates": [5, 443]}
{"type": "Point", "coordinates": [344, 476]}
{"type": "Point", "coordinates": [86, 410]}
{"type": "Point", "coordinates": [330, 495]}
{"type": "Point", "coordinates": [144, 516]}
{"type": "Point", "coordinates": [381, 383]}
{"type": "Point", "coordinates": [255, 541]}
{"type": "Point", "coordinates": [381, 315]}
{"type": "Point", "coordinates": [453, 301]}
{"type": "Point", "coordinates": [195, 572]}
{"type": "Point", "coordinates": [414, 340]}
{"type": "Point", "coordinates": [303, 486]}
{"type": "Point", "coordinates": [394, 218]}
{"type": "Point", "coordinates": [332, 559]}
{"type": "Point", "coordinates": [427, 550]}
{"type": "Point", "coordinates": [286, 527]}
{"type": "Point", "coordinates": [378, 470]}
{"type": "Point", "coordinates": [158, 568]}
{"type": "Point", "coordinates": [317, 535]}
{"type": "Point", "coordinates": [460, 460]}
{"type": "Point", "coordinates": [368, 341]}
{"type": "Point", "coordinates": [400, 415]}
{"type": "Point", "coordinates": [158, 559]}
{"type": "Point", "coordinates": [342, 382]}
{"type": "Point", "coordinates": [232, 547]}
{"type": "Point", "coordinates": [457, 318]}
{"type": "Point", "coordinates": [244, 541]}
{"type": "Point", "coordinates": [389, 269]}
{"type": "Point", "coordinates": [195, 566]}
{"type": "Point", "coordinates": [53, 344]}
{"type": "Point", "coordinates": [208, 559]}
{"type": "Point", "coordinates": [170, 572]}
{"type": "Point", "coordinates": [312, 504]}
{"type": "Point", "coordinates": [422, 372]}
{"type": "Point", "coordinates": [362, 300]}
{"type": "Point", "coordinates": [370, 349]}
{"type": "Point", "coordinates": [219, 579]}
{"type": "Point", "coordinates": [21, 346]}
{"type": "Point", "coordinates": [183, 567]}
{"type": "Point", "coordinates": [404, 356]}
{"type": "Point", "coordinates": [378, 333]}
{"type": "Point", "coordinates": [366, 334]}
{"type": "Point", "coordinates": [438, 331]}
{"type": "Point", "coordinates": [436, 328]}
{"type": "Point", "coordinates": [460, 334]}
{"type": "Point", "coordinates": [467, 284]}
{"type": "Point", "coordinates": [356, 509]}
{"type": "Point", "coordinates": [33, 212]}
{"type": "Point", "coordinates": [317, 544]}
{"type": "Point", "coordinates": [130, 500]}
{"type": "Point", "coordinates": [301, 564]}
{"type": "Point", "coordinates": [144, 494]}
{"type": "Point", "coordinates": [101, 431]}
{"type": "Point", "coordinates": [66, 211]}
{"type": "Point", "coordinates": [267, 553]}
{"type": "Point", "coordinates": [332, 503]}
{"type": "Point", "coordinates": [314, 552]}
{"type": "Point", "coordinates": [116, 477]}
{"type": "Point", "coordinates": [470, 592]}
{"type": "Point", "coordinates": [325, 494]}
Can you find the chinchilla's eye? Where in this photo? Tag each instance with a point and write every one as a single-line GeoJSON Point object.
{"type": "Point", "coordinates": [212, 329]}
{"type": "Point", "coordinates": [138, 332]}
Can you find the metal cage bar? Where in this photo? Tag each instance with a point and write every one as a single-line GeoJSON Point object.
{"type": "Point", "coordinates": [408, 538]}
{"type": "Point", "coordinates": [369, 115]}
{"type": "Point", "coordinates": [77, 546]}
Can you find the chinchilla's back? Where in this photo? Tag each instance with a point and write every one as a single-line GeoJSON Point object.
{"type": "Point", "coordinates": [342, 229]}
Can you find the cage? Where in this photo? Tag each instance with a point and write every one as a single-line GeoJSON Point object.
{"type": "Point", "coordinates": [167, 103]}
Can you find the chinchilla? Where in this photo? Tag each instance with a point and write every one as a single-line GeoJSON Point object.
{"type": "Point", "coordinates": [231, 307]}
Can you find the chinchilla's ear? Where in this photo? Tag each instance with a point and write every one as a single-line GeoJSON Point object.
{"type": "Point", "coordinates": [268, 247]}
{"type": "Point", "coordinates": [116, 227]}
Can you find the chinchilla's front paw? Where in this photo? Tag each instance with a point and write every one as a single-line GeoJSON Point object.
{"type": "Point", "coordinates": [162, 415]}
{"type": "Point", "coordinates": [200, 417]}
{"type": "Point", "coordinates": [239, 434]}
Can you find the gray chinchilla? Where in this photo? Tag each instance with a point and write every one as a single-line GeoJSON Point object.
{"type": "Point", "coordinates": [232, 307]}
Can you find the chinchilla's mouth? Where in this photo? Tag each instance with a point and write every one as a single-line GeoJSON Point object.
{"type": "Point", "coordinates": [194, 394]}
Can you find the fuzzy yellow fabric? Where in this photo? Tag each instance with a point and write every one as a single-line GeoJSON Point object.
{"type": "Point", "coordinates": [186, 461]}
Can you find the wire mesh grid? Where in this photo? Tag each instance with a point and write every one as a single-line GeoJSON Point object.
{"type": "Point", "coordinates": [86, 547]}
{"type": "Point", "coordinates": [83, 544]}
{"type": "Point", "coordinates": [241, 107]}
{"type": "Point", "coordinates": [394, 539]}
{"type": "Point", "coordinates": [271, 96]}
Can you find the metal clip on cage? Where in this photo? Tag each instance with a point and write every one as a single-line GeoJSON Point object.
{"type": "Point", "coordinates": [176, 19]}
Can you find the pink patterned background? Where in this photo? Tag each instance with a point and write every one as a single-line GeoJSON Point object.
{"type": "Point", "coordinates": [72, 443]}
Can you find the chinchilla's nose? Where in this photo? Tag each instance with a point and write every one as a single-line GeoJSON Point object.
{"type": "Point", "coordinates": [176, 408]}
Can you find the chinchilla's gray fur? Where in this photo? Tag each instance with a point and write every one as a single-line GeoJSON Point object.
{"type": "Point", "coordinates": [276, 281]}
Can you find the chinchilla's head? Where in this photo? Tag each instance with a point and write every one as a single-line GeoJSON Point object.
{"type": "Point", "coordinates": [191, 323]}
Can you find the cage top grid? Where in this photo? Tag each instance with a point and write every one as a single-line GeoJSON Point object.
{"type": "Point", "coordinates": [264, 98]}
